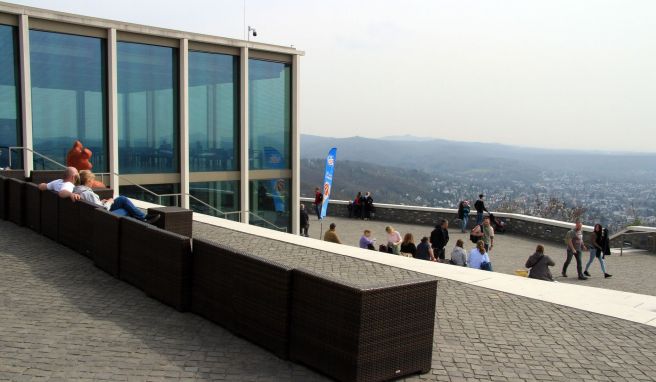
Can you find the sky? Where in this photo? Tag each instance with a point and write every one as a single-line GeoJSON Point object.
{"type": "Point", "coordinates": [575, 74]}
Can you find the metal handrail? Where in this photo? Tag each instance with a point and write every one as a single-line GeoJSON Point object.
{"type": "Point", "coordinates": [154, 194]}
{"type": "Point", "coordinates": [33, 152]}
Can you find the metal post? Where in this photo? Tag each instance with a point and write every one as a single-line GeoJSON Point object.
{"type": "Point", "coordinates": [296, 147]}
{"type": "Point", "coordinates": [184, 122]}
{"type": "Point", "coordinates": [244, 143]}
{"type": "Point", "coordinates": [112, 111]}
{"type": "Point", "coordinates": [26, 92]}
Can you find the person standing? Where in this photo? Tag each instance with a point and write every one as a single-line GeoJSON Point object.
{"type": "Point", "coordinates": [539, 264]}
{"type": "Point", "coordinates": [488, 234]}
{"type": "Point", "coordinates": [318, 201]}
{"type": "Point", "coordinates": [605, 239]}
{"type": "Point", "coordinates": [575, 245]}
{"type": "Point", "coordinates": [439, 239]}
{"type": "Point", "coordinates": [369, 206]}
{"type": "Point", "coordinates": [357, 205]}
{"type": "Point", "coordinates": [463, 214]}
{"type": "Point", "coordinates": [480, 207]}
{"type": "Point", "coordinates": [596, 250]}
{"type": "Point", "coordinates": [331, 235]}
{"type": "Point", "coordinates": [305, 221]}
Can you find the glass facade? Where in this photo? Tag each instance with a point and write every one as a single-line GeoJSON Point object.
{"type": "Point", "coordinates": [69, 96]}
{"type": "Point", "coordinates": [224, 196]}
{"type": "Point", "coordinates": [269, 113]}
{"type": "Point", "coordinates": [270, 201]}
{"type": "Point", "coordinates": [163, 190]}
{"type": "Point", "coordinates": [213, 112]}
{"type": "Point", "coordinates": [147, 108]}
{"type": "Point", "coordinates": [10, 123]}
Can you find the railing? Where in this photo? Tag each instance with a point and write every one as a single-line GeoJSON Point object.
{"type": "Point", "coordinates": [159, 197]}
{"type": "Point", "coordinates": [651, 237]}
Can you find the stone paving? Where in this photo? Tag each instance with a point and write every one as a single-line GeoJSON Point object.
{"type": "Point", "coordinates": [63, 319]}
{"type": "Point", "coordinates": [631, 273]}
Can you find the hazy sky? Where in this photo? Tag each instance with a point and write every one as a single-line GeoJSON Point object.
{"type": "Point", "coordinates": [552, 73]}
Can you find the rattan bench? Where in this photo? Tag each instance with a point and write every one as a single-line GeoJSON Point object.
{"type": "Point", "coordinates": [50, 214]}
{"type": "Point", "coordinates": [3, 197]}
{"type": "Point", "coordinates": [86, 227]}
{"type": "Point", "coordinates": [246, 294]}
{"type": "Point", "coordinates": [16, 197]}
{"type": "Point", "coordinates": [106, 241]}
{"type": "Point", "coordinates": [33, 207]}
{"type": "Point", "coordinates": [68, 221]}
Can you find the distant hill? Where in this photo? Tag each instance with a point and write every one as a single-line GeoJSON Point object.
{"type": "Point", "coordinates": [437, 155]}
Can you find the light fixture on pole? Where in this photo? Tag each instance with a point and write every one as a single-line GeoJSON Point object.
{"type": "Point", "coordinates": [254, 32]}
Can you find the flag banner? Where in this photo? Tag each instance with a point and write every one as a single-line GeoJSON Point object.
{"type": "Point", "coordinates": [328, 180]}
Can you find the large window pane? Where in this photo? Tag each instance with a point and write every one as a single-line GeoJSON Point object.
{"type": "Point", "coordinates": [270, 202]}
{"type": "Point", "coordinates": [68, 96]}
{"type": "Point", "coordinates": [10, 124]}
{"type": "Point", "coordinates": [147, 108]}
{"type": "Point", "coordinates": [221, 196]}
{"type": "Point", "coordinates": [213, 112]}
{"type": "Point", "coordinates": [166, 194]}
{"type": "Point", "coordinates": [269, 113]}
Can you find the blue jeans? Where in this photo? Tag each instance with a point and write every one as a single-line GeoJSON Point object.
{"type": "Point", "coordinates": [317, 209]}
{"type": "Point", "coordinates": [593, 254]}
{"type": "Point", "coordinates": [123, 206]}
{"type": "Point", "coordinates": [465, 220]}
{"type": "Point", "coordinates": [479, 218]}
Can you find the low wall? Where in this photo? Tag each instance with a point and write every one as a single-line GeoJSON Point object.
{"type": "Point", "coordinates": [537, 228]}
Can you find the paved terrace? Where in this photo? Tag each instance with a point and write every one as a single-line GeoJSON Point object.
{"type": "Point", "coordinates": [62, 319]}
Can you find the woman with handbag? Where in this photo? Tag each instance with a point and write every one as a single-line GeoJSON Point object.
{"type": "Point", "coordinates": [596, 250]}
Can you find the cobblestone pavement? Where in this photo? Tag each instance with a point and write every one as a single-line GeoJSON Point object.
{"type": "Point", "coordinates": [63, 319]}
{"type": "Point", "coordinates": [631, 272]}
{"type": "Point", "coordinates": [483, 335]}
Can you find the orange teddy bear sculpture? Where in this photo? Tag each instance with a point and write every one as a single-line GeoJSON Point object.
{"type": "Point", "coordinates": [78, 156]}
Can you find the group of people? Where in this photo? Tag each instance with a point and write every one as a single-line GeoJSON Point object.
{"type": "Point", "coordinates": [361, 207]}
{"type": "Point", "coordinates": [77, 186]}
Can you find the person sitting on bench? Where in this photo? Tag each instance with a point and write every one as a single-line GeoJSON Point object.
{"type": "Point", "coordinates": [121, 206]}
{"type": "Point", "coordinates": [64, 187]}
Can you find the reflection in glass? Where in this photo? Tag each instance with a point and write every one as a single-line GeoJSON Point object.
{"type": "Point", "coordinates": [147, 108]}
{"type": "Point", "coordinates": [69, 95]}
{"type": "Point", "coordinates": [213, 112]}
{"type": "Point", "coordinates": [223, 196]}
{"type": "Point", "coordinates": [269, 112]}
{"type": "Point", "coordinates": [165, 190]}
{"type": "Point", "coordinates": [10, 124]}
{"type": "Point", "coordinates": [270, 201]}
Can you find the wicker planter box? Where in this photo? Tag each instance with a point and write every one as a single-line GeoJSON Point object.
{"type": "Point", "coordinates": [16, 198]}
{"type": "Point", "coordinates": [362, 334]}
{"type": "Point", "coordinates": [246, 294]}
{"type": "Point", "coordinates": [106, 239]}
{"type": "Point", "coordinates": [33, 207]}
{"type": "Point", "coordinates": [174, 219]}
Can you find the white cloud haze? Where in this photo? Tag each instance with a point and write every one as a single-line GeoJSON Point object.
{"type": "Point", "coordinates": [552, 73]}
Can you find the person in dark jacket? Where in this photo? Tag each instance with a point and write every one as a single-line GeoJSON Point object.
{"type": "Point", "coordinates": [539, 264]}
{"type": "Point", "coordinates": [368, 206]}
{"type": "Point", "coordinates": [439, 239]}
{"type": "Point", "coordinates": [480, 207]}
{"type": "Point", "coordinates": [463, 214]}
{"type": "Point", "coordinates": [605, 241]}
{"type": "Point", "coordinates": [305, 221]}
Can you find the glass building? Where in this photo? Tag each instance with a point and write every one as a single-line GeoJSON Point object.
{"type": "Point", "coordinates": [171, 117]}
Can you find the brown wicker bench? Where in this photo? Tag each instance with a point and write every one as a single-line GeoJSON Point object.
{"type": "Point", "coordinates": [106, 241]}
{"type": "Point", "coordinates": [3, 197]}
{"type": "Point", "coordinates": [353, 333]}
{"type": "Point", "coordinates": [86, 227]}
{"type": "Point", "coordinates": [174, 219]}
{"type": "Point", "coordinates": [33, 207]}
{"type": "Point", "coordinates": [157, 262]}
{"type": "Point", "coordinates": [50, 214]}
{"type": "Point", "coordinates": [13, 174]}
{"type": "Point", "coordinates": [45, 176]}
{"type": "Point", "coordinates": [68, 220]}
{"type": "Point", "coordinates": [16, 198]}
{"type": "Point", "coordinates": [246, 294]}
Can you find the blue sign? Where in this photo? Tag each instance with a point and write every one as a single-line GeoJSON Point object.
{"type": "Point", "coordinates": [328, 179]}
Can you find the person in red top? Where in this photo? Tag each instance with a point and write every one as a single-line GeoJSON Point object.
{"type": "Point", "coordinates": [318, 201]}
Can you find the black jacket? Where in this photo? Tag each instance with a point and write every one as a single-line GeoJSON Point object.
{"type": "Point", "coordinates": [439, 237]}
{"type": "Point", "coordinates": [304, 218]}
{"type": "Point", "coordinates": [480, 206]}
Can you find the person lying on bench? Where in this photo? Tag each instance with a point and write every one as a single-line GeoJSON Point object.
{"type": "Point", "coordinates": [121, 206]}
{"type": "Point", "coordinates": [64, 187]}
